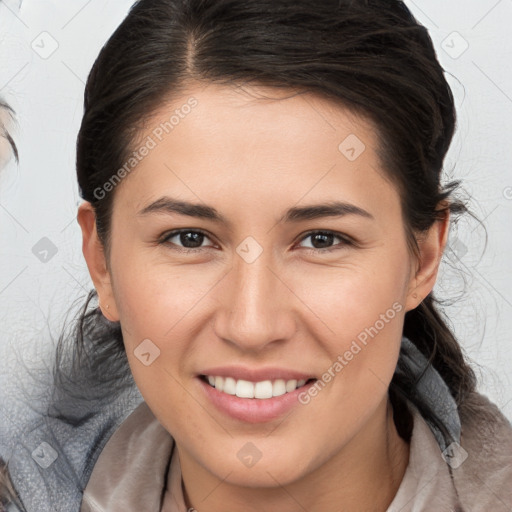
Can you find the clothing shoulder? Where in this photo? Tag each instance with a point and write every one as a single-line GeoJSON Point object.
{"type": "Point", "coordinates": [483, 472]}
{"type": "Point", "coordinates": [130, 472]}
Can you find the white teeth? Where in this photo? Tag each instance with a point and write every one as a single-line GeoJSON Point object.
{"type": "Point", "coordinates": [244, 388]}
{"type": "Point", "coordinates": [229, 386]}
{"type": "Point", "coordinates": [262, 390]}
{"type": "Point", "coordinates": [291, 385]}
{"type": "Point", "coordinates": [279, 387]}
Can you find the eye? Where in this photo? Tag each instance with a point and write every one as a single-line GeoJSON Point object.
{"type": "Point", "coordinates": [191, 239]}
{"type": "Point", "coordinates": [323, 239]}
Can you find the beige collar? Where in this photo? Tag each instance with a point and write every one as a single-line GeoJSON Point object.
{"type": "Point", "coordinates": [131, 471]}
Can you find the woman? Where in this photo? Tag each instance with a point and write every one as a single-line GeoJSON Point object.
{"type": "Point", "coordinates": [276, 375]}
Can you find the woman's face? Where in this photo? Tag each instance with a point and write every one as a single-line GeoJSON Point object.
{"type": "Point", "coordinates": [249, 286]}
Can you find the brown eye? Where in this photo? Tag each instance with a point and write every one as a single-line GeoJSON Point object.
{"type": "Point", "coordinates": [185, 239]}
{"type": "Point", "coordinates": [322, 241]}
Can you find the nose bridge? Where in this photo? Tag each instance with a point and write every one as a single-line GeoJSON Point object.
{"type": "Point", "coordinates": [256, 310]}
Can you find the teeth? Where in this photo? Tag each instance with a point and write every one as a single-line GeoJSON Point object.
{"type": "Point", "coordinates": [291, 385]}
{"type": "Point", "coordinates": [247, 389]}
{"type": "Point", "coordinates": [229, 386]}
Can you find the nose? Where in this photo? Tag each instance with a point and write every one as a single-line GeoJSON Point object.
{"type": "Point", "coordinates": [257, 308]}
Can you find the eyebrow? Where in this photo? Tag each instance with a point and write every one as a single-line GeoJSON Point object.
{"type": "Point", "coordinates": [295, 214]}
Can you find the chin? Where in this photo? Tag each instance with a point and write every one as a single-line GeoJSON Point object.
{"type": "Point", "coordinates": [272, 471]}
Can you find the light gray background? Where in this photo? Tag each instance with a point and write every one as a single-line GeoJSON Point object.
{"type": "Point", "coordinates": [46, 51]}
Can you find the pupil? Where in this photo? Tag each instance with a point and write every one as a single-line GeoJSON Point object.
{"type": "Point", "coordinates": [326, 237]}
{"type": "Point", "coordinates": [189, 236]}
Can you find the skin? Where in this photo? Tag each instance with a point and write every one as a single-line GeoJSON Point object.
{"type": "Point", "coordinates": [293, 307]}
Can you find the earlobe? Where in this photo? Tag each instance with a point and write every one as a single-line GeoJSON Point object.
{"type": "Point", "coordinates": [94, 255]}
{"type": "Point", "coordinates": [431, 249]}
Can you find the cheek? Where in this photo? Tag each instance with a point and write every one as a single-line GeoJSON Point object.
{"type": "Point", "coordinates": [361, 311]}
{"type": "Point", "coordinates": [161, 309]}
{"type": "Point", "coordinates": [154, 297]}
{"type": "Point", "coordinates": [352, 298]}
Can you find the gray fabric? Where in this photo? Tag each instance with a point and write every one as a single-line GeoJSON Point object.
{"type": "Point", "coordinates": [77, 444]}
{"type": "Point", "coordinates": [433, 392]}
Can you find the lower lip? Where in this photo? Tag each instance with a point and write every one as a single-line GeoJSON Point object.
{"type": "Point", "coordinates": [253, 410]}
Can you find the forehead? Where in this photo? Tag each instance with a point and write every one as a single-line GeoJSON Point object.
{"type": "Point", "coordinates": [221, 108]}
{"type": "Point", "coordinates": [258, 141]}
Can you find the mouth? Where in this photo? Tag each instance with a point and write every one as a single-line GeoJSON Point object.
{"type": "Point", "coordinates": [261, 390]}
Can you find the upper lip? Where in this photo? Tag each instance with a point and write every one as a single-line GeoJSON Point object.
{"type": "Point", "coordinates": [256, 375]}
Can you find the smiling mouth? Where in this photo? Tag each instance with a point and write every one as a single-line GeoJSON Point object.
{"type": "Point", "coordinates": [258, 390]}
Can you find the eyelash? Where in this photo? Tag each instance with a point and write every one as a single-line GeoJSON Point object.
{"type": "Point", "coordinates": [346, 241]}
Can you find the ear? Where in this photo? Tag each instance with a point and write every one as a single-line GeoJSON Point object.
{"type": "Point", "coordinates": [431, 247]}
{"type": "Point", "coordinates": [92, 249]}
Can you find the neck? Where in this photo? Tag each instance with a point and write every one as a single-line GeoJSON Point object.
{"type": "Point", "coordinates": [364, 475]}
